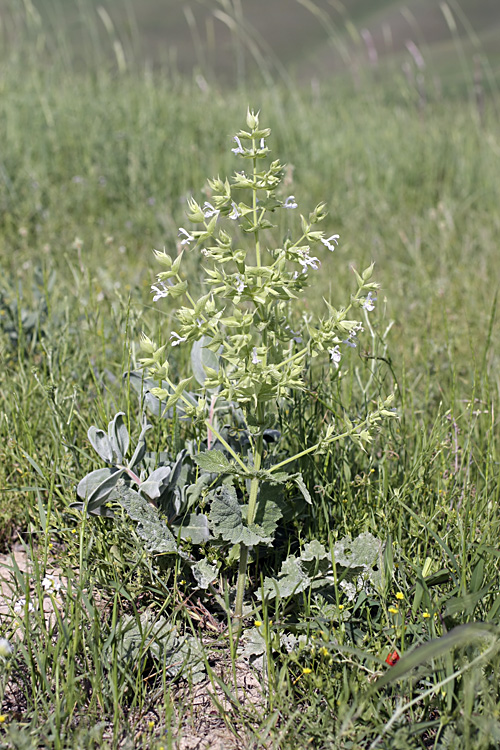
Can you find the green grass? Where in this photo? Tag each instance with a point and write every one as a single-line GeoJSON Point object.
{"type": "Point", "coordinates": [410, 184]}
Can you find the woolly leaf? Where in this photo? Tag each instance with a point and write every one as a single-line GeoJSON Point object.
{"type": "Point", "coordinates": [201, 357]}
{"type": "Point", "coordinates": [204, 573]}
{"type": "Point", "coordinates": [118, 436]}
{"type": "Point", "coordinates": [194, 528]}
{"type": "Point", "coordinates": [150, 527]}
{"type": "Point", "coordinates": [101, 444]}
{"type": "Point", "coordinates": [215, 462]}
{"type": "Point", "coordinates": [226, 520]}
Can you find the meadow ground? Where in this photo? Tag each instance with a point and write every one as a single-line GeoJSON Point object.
{"type": "Point", "coordinates": [123, 649]}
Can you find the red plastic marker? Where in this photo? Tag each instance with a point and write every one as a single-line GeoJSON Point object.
{"type": "Point", "coordinates": [392, 658]}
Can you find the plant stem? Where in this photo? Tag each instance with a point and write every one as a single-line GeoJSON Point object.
{"type": "Point", "coordinates": [252, 505]}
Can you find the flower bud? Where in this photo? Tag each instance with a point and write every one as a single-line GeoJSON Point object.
{"type": "Point", "coordinates": [252, 119]}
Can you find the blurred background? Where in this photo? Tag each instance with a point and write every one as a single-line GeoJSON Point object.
{"type": "Point", "coordinates": [231, 40]}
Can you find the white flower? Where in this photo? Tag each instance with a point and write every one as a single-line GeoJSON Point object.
{"type": "Point", "coordinates": [240, 283]}
{"type": "Point", "coordinates": [163, 292]}
{"type": "Point", "coordinates": [20, 605]}
{"type": "Point", "coordinates": [239, 149]}
{"type": "Point", "coordinates": [335, 355]}
{"type": "Point", "coordinates": [255, 359]}
{"type": "Point", "coordinates": [187, 237]}
{"type": "Point", "coordinates": [290, 202]}
{"type": "Point", "coordinates": [209, 210]}
{"type": "Point", "coordinates": [235, 214]}
{"type": "Point", "coordinates": [306, 260]}
{"type": "Point", "coordinates": [262, 143]}
{"type": "Point", "coordinates": [327, 242]}
{"type": "Point", "coordinates": [175, 339]}
{"type": "Point", "coordinates": [51, 583]}
{"type": "Point", "coordinates": [5, 647]}
{"type": "Point", "coordinates": [369, 303]}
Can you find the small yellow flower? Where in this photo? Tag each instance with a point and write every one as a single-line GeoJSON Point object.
{"type": "Point", "coordinates": [73, 531]}
{"type": "Point", "coordinates": [3, 717]}
{"type": "Point", "coordinates": [306, 670]}
{"type": "Point", "coordinates": [393, 610]}
{"type": "Point", "coordinates": [323, 651]}
{"type": "Point", "coordinates": [400, 595]}
{"type": "Point", "coordinates": [426, 614]}
{"type": "Point", "coordinates": [341, 607]}
{"type": "Point", "coordinates": [151, 725]}
{"type": "Point", "coordinates": [257, 623]}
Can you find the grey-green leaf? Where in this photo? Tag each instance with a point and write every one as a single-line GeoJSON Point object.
{"type": "Point", "coordinates": [195, 529]}
{"type": "Point", "coordinates": [202, 357]}
{"type": "Point", "coordinates": [215, 462]}
{"type": "Point", "coordinates": [97, 487]}
{"type": "Point", "coordinates": [364, 550]}
{"type": "Point", "coordinates": [226, 520]}
{"type": "Point", "coordinates": [118, 436]}
{"type": "Point", "coordinates": [100, 443]}
{"type": "Point", "coordinates": [150, 527]}
{"type": "Point", "coordinates": [204, 573]}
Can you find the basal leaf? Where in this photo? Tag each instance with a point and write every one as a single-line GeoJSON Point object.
{"type": "Point", "coordinates": [226, 520]}
{"type": "Point", "coordinates": [194, 528]}
{"type": "Point", "coordinates": [204, 573]}
{"type": "Point", "coordinates": [101, 444]}
{"type": "Point", "coordinates": [118, 436]}
{"type": "Point", "coordinates": [150, 527]}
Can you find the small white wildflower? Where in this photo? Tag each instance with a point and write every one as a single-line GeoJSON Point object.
{"type": "Point", "coordinates": [5, 647]}
{"type": "Point", "coordinates": [335, 355]}
{"type": "Point", "coordinates": [235, 214]}
{"type": "Point", "coordinates": [187, 237]}
{"type": "Point", "coordinates": [290, 202]}
{"type": "Point", "coordinates": [77, 243]}
{"type": "Point", "coordinates": [240, 286]}
{"type": "Point", "coordinates": [239, 149]}
{"type": "Point", "coordinates": [51, 583]}
{"type": "Point", "coordinates": [327, 241]}
{"type": "Point", "coordinates": [209, 210]}
{"type": "Point", "coordinates": [175, 339]}
{"type": "Point", "coordinates": [306, 260]}
{"type": "Point", "coordinates": [159, 293]}
{"type": "Point", "coordinates": [369, 303]}
{"type": "Point", "coordinates": [255, 359]}
{"type": "Point", "coordinates": [20, 605]}
{"type": "Point", "coordinates": [262, 143]}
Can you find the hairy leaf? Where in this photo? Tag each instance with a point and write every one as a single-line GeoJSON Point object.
{"type": "Point", "coordinates": [118, 436]}
{"type": "Point", "coordinates": [204, 573]}
{"type": "Point", "coordinates": [150, 527]}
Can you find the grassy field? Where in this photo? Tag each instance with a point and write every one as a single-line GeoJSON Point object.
{"type": "Point", "coordinates": [229, 40]}
{"type": "Point", "coordinates": [95, 172]}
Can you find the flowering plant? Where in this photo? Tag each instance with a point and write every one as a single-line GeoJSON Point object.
{"type": "Point", "coordinates": [251, 347]}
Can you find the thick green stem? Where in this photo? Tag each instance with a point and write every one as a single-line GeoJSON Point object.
{"type": "Point", "coordinates": [252, 506]}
